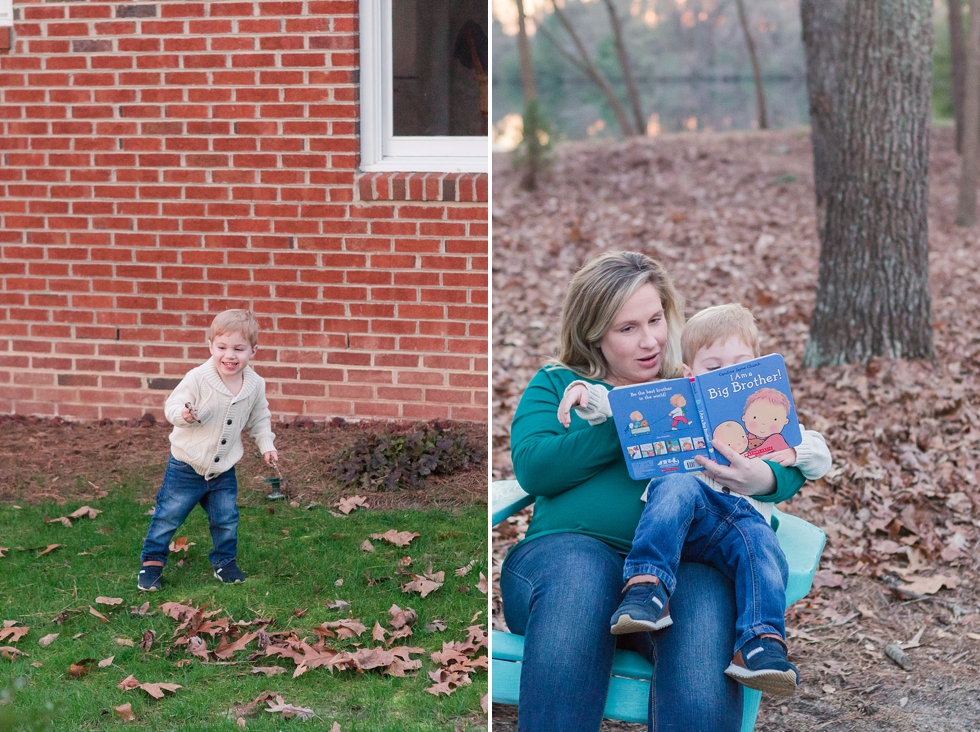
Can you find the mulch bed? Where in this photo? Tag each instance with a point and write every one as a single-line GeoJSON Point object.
{"type": "Point", "coordinates": [55, 460]}
{"type": "Point", "coordinates": [732, 218]}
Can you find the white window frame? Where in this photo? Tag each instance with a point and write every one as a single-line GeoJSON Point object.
{"type": "Point", "coordinates": [6, 13]}
{"type": "Point", "coordinates": [381, 151]}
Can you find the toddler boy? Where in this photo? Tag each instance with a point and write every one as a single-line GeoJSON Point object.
{"type": "Point", "coordinates": [209, 409]}
{"type": "Point", "coordinates": [701, 520]}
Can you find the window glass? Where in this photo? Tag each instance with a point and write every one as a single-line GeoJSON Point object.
{"type": "Point", "coordinates": [439, 67]}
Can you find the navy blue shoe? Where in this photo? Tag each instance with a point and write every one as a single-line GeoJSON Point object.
{"type": "Point", "coordinates": [148, 579]}
{"type": "Point", "coordinates": [644, 608]}
{"type": "Point", "coordinates": [761, 664]}
{"type": "Point", "coordinates": [230, 574]}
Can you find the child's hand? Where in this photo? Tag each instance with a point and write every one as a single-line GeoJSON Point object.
{"type": "Point", "coordinates": [786, 458]}
{"type": "Point", "coordinates": [190, 413]}
{"type": "Point", "coordinates": [577, 396]}
{"type": "Point", "coordinates": [748, 476]}
{"type": "Point", "coordinates": [270, 457]}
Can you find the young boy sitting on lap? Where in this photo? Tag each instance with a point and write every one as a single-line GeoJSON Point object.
{"type": "Point", "coordinates": [699, 519]}
{"type": "Point", "coordinates": [209, 409]}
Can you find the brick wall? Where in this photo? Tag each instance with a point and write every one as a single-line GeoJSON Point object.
{"type": "Point", "coordinates": [163, 161]}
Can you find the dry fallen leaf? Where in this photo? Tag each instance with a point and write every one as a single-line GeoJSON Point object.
{"type": "Point", "coordinates": [124, 642]}
{"type": "Point", "coordinates": [484, 703]}
{"type": "Point", "coordinates": [181, 545]}
{"type": "Point", "coordinates": [398, 538]}
{"type": "Point", "coordinates": [289, 710]}
{"type": "Point", "coordinates": [51, 548]}
{"type": "Point", "coordinates": [147, 642]}
{"type": "Point", "coordinates": [80, 668]}
{"type": "Point", "coordinates": [931, 585]}
{"type": "Point", "coordinates": [97, 614]}
{"type": "Point", "coordinates": [106, 662]}
{"type": "Point", "coordinates": [346, 505]}
{"type": "Point", "coordinates": [400, 618]}
{"type": "Point", "coordinates": [85, 512]}
{"type": "Point", "coordinates": [12, 634]}
{"type": "Point", "coordinates": [126, 712]}
{"type": "Point", "coordinates": [482, 584]}
{"type": "Point", "coordinates": [827, 578]}
{"type": "Point", "coordinates": [141, 610]}
{"type": "Point", "coordinates": [435, 626]}
{"type": "Point", "coordinates": [110, 601]}
{"type": "Point", "coordinates": [269, 670]}
{"type": "Point", "coordinates": [48, 639]}
{"type": "Point", "coordinates": [10, 653]}
{"type": "Point", "coordinates": [3, 549]}
{"type": "Point", "coordinates": [338, 605]}
{"type": "Point", "coordinates": [128, 683]}
{"type": "Point", "coordinates": [463, 571]}
{"type": "Point", "coordinates": [378, 634]}
{"type": "Point", "coordinates": [367, 546]}
{"type": "Point", "coordinates": [60, 520]}
{"type": "Point", "coordinates": [156, 690]}
{"type": "Point", "coordinates": [335, 727]}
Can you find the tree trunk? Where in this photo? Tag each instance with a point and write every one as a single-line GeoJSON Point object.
{"type": "Point", "coordinates": [823, 31]}
{"type": "Point", "coordinates": [873, 285]}
{"type": "Point", "coordinates": [529, 181]}
{"type": "Point", "coordinates": [624, 62]}
{"type": "Point", "coordinates": [756, 72]}
{"type": "Point", "coordinates": [966, 203]}
{"type": "Point", "coordinates": [585, 64]}
{"type": "Point", "coordinates": [958, 64]}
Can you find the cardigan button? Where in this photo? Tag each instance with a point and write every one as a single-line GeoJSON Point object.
{"type": "Point", "coordinates": [217, 460]}
{"type": "Point", "coordinates": [229, 421]}
{"type": "Point", "coordinates": [223, 442]}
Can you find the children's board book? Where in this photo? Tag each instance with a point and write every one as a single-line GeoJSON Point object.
{"type": "Point", "coordinates": [664, 425]}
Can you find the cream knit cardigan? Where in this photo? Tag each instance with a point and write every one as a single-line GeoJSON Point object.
{"type": "Point", "coordinates": [214, 444]}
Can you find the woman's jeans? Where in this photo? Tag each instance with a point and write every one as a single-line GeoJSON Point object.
{"type": "Point", "coordinates": [183, 489]}
{"type": "Point", "coordinates": [685, 520]}
{"type": "Point", "coordinates": [560, 590]}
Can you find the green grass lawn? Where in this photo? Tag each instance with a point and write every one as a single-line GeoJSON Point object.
{"type": "Point", "coordinates": [296, 559]}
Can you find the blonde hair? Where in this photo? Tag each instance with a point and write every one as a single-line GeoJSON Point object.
{"type": "Point", "coordinates": [597, 293]}
{"type": "Point", "coordinates": [235, 321]}
{"type": "Point", "coordinates": [718, 323]}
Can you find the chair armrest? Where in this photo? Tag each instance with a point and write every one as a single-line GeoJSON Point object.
{"type": "Point", "coordinates": [507, 498]}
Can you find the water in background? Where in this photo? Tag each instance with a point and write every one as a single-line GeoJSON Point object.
{"type": "Point", "coordinates": [577, 111]}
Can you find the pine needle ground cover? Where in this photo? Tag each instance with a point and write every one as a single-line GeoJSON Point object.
{"type": "Point", "coordinates": [319, 595]}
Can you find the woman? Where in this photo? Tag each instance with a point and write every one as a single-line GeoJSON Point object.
{"type": "Point", "coordinates": [621, 324]}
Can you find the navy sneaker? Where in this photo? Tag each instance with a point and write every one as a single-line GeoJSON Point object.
{"type": "Point", "coordinates": [230, 574]}
{"type": "Point", "coordinates": [761, 664]}
{"type": "Point", "coordinates": [148, 579]}
{"type": "Point", "coordinates": [644, 608]}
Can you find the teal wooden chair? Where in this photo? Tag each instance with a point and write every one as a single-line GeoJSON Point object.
{"type": "Point", "coordinates": [629, 687]}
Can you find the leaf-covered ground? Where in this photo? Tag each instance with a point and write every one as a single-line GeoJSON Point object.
{"type": "Point", "coordinates": [352, 619]}
{"type": "Point", "coordinates": [55, 460]}
{"type": "Point", "coordinates": [732, 217]}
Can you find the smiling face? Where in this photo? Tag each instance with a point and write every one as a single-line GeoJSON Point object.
{"type": "Point", "coordinates": [763, 418]}
{"type": "Point", "coordinates": [718, 355]}
{"type": "Point", "coordinates": [231, 353]}
{"type": "Point", "coordinates": [634, 343]}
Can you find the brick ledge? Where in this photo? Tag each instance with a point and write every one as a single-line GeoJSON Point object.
{"type": "Point", "coordinates": [457, 187]}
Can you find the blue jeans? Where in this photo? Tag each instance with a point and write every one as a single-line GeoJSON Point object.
{"type": "Point", "coordinates": [183, 489]}
{"type": "Point", "coordinates": [685, 520]}
{"type": "Point", "coordinates": [559, 592]}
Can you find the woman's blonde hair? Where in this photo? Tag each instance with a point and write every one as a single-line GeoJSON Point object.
{"type": "Point", "coordinates": [235, 321]}
{"type": "Point", "coordinates": [596, 294]}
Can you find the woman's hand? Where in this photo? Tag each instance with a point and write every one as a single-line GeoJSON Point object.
{"type": "Point", "coordinates": [271, 457]}
{"type": "Point", "coordinates": [748, 476]}
{"type": "Point", "coordinates": [577, 396]}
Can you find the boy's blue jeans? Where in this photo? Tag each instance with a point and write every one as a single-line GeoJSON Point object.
{"type": "Point", "coordinates": [183, 489]}
{"type": "Point", "coordinates": [685, 520]}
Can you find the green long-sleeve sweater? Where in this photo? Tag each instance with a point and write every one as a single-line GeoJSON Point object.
{"type": "Point", "coordinates": [578, 475]}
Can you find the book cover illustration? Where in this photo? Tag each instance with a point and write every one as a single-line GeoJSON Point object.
{"type": "Point", "coordinates": [664, 425]}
